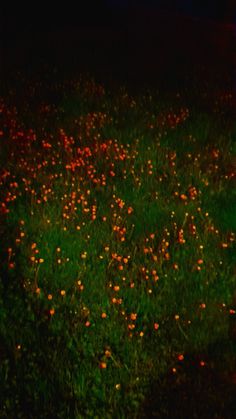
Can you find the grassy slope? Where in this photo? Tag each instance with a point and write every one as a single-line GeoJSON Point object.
{"type": "Point", "coordinates": [118, 255]}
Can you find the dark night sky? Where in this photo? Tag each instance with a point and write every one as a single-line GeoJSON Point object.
{"type": "Point", "coordinates": [135, 32]}
{"type": "Point", "coordinates": [20, 18]}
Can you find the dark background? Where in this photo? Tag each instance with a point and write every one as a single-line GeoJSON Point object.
{"type": "Point", "coordinates": [130, 40]}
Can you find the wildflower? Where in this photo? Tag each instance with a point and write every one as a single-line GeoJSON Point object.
{"type": "Point", "coordinates": [102, 365]}
{"type": "Point", "coordinates": [133, 316]}
{"type": "Point", "coordinates": [131, 326]}
{"type": "Point", "coordinates": [11, 265]}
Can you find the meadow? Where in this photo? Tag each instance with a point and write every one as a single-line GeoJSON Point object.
{"type": "Point", "coordinates": [118, 264]}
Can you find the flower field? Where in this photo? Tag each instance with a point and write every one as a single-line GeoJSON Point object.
{"type": "Point", "coordinates": [117, 230]}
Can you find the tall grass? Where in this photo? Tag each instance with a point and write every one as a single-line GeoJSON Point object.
{"type": "Point", "coordinates": [117, 247]}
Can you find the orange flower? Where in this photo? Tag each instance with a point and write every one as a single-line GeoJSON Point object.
{"type": "Point", "coordinates": [133, 316]}
{"type": "Point", "coordinates": [131, 326]}
{"type": "Point", "coordinates": [103, 365]}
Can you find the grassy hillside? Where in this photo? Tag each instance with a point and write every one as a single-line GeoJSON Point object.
{"type": "Point", "coordinates": [117, 226]}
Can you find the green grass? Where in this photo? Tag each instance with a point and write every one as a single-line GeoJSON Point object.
{"type": "Point", "coordinates": [118, 252]}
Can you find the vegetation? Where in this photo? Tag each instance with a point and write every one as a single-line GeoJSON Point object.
{"type": "Point", "coordinates": [117, 252]}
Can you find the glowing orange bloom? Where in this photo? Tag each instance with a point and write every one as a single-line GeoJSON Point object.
{"type": "Point", "coordinates": [102, 365]}
{"type": "Point", "coordinates": [107, 353]}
